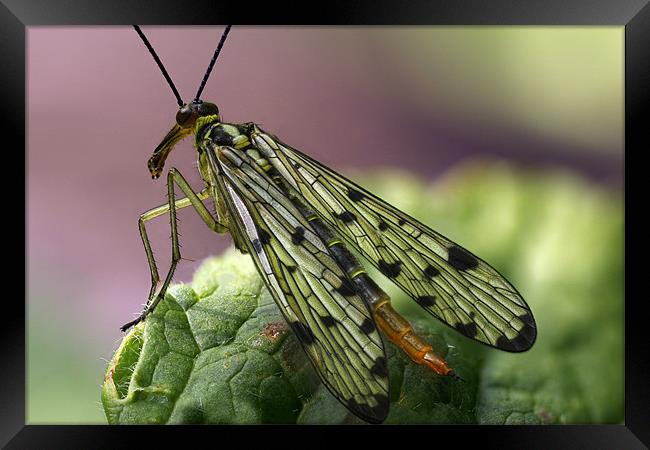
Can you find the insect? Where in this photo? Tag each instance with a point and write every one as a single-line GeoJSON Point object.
{"type": "Point", "coordinates": [299, 221]}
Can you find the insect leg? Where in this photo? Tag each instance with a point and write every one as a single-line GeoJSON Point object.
{"type": "Point", "coordinates": [171, 207]}
{"type": "Point", "coordinates": [152, 214]}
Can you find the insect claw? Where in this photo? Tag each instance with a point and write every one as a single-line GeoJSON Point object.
{"type": "Point", "coordinates": [134, 322]}
{"type": "Point", "coordinates": [126, 326]}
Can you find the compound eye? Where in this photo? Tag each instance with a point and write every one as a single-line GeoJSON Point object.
{"type": "Point", "coordinates": [184, 116]}
{"type": "Point", "coordinates": [208, 109]}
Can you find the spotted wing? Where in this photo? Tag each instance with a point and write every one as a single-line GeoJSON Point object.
{"type": "Point", "coordinates": [449, 282]}
{"type": "Point", "coordinates": [333, 324]}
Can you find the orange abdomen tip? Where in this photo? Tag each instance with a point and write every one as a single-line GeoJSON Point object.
{"type": "Point", "coordinates": [436, 363]}
{"type": "Point", "coordinates": [400, 332]}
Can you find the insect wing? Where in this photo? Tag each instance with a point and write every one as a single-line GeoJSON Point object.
{"type": "Point", "coordinates": [333, 324]}
{"type": "Point", "coordinates": [446, 280]}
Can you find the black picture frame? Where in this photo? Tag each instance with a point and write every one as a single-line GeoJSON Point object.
{"type": "Point", "coordinates": [16, 15]}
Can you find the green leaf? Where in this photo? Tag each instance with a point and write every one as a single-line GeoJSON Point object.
{"type": "Point", "coordinates": [217, 350]}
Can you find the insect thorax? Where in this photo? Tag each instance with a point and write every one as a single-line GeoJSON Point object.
{"type": "Point", "coordinates": [218, 134]}
{"type": "Point", "coordinates": [238, 136]}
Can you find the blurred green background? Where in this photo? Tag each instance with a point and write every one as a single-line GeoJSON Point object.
{"type": "Point", "coordinates": [508, 140]}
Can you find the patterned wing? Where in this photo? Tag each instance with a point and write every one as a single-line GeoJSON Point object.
{"type": "Point", "coordinates": [333, 324]}
{"type": "Point", "coordinates": [446, 280]}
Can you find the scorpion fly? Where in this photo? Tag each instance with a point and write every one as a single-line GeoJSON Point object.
{"type": "Point", "coordinates": [301, 221]}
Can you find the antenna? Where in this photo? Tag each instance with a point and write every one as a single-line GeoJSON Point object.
{"type": "Point", "coordinates": [160, 65]}
{"type": "Point", "coordinates": [212, 61]}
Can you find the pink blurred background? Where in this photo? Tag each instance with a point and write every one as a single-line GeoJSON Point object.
{"type": "Point", "coordinates": [418, 99]}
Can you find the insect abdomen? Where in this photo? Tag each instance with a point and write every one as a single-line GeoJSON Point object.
{"type": "Point", "coordinates": [394, 326]}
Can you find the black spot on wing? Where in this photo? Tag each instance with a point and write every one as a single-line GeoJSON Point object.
{"type": "Point", "coordinates": [354, 405]}
{"type": "Point", "coordinates": [328, 321]}
{"type": "Point", "coordinates": [298, 236]}
{"type": "Point", "coordinates": [382, 400]}
{"type": "Point", "coordinates": [383, 226]}
{"type": "Point", "coordinates": [265, 237]}
{"type": "Point", "coordinates": [523, 341]}
{"type": "Point", "coordinates": [460, 259]}
{"type": "Point", "coordinates": [305, 335]}
{"type": "Point", "coordinates": [468, 329]}
{"type": "Point", "coordinates": [355, 195]}
{"type": "Point", "coordinates": [527, 319]}
{"type": "Point", "coordinates": [367, 326]}
{"type": "Point", "coordinates": [380, 367]}
{"type": "Point", "coordinates": [401, 222]}
{"type": "Point", "coordinates": [525, 338]}
{"type": "Point", "coordinates": [504, 343]}
{"type": "Point", "coordinates": [257, 246]}
{"type": "Point", "coordinates": [431, 271]}
{"type": "Point", "coordinates": [381, 408]}
{"type": "Point", "coordinates": [529, 331]}
{"type": "Point", "coordinates": [346, 217]}
{"type": "Point", "coordinates": [426, 300]}
{"type": "Point", "coordinates": [291, 269]}
{"type": "Point", "coordinates": [391, 270]}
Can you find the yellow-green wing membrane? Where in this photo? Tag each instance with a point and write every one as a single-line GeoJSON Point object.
{"type": "Point", "coordinates": [449, 282]}
{"type": "Point", "coordinates": [333, 324]}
